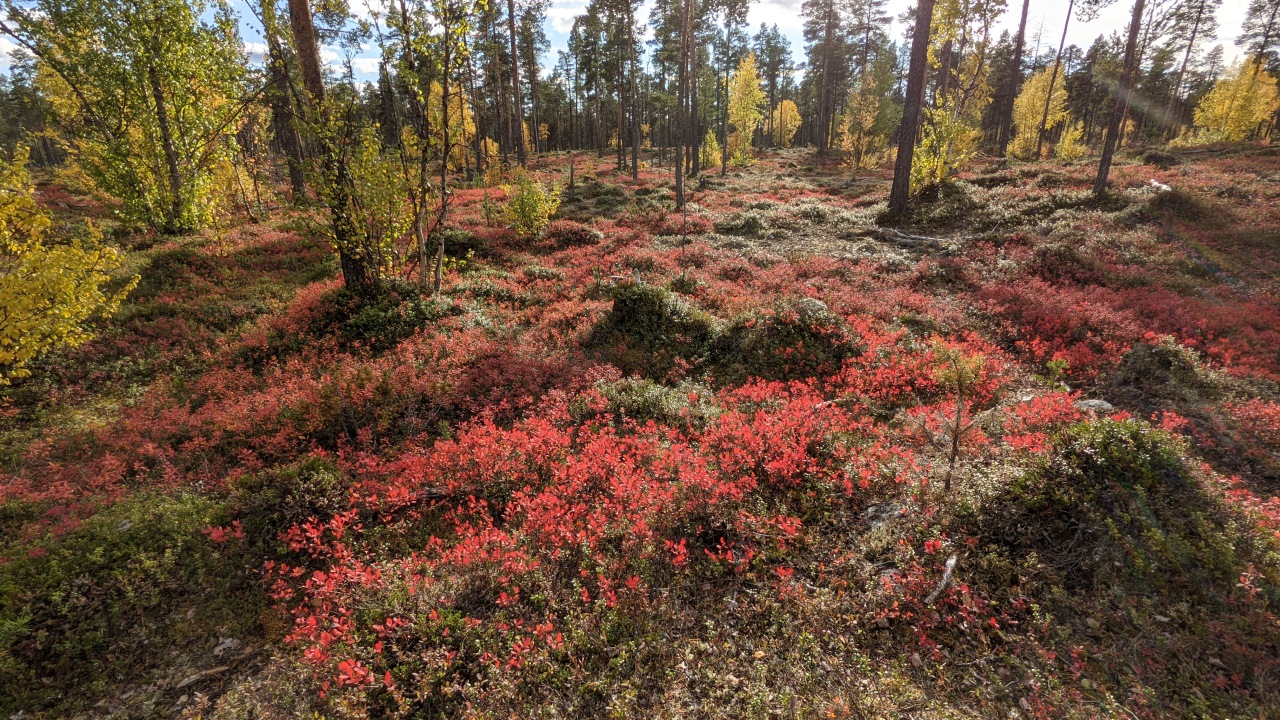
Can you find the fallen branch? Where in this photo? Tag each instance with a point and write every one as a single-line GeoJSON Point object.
{"type": "Point", "coordinates": [947, 576]}
{"type": "Point", "coordinates": [897, 236]}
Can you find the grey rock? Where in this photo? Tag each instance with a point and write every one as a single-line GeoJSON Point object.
{"type": "Point", "coordinates": [1095, 406]}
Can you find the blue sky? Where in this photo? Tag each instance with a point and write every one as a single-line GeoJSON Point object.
{"type": "Point", "coordinates": [1045, 21]}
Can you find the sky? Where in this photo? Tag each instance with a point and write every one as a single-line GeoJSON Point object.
{"type": "Point", "coordinates": [1044, 21]}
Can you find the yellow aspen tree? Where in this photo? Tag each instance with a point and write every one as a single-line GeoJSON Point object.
{"type": "Point", "coordinates": [960, 39]}
{"type": "Point", "coordinates": [709, 155]}
{"type": "Point", "coordinates": [786, 121]}
{"type": "Point", "coordinates": [1238, 105]}
{"type": "Point", "coordinates": [462, 127]}
{"type": "Point", "coordinates": [745, 98]}
{"type": "Point", "coordinates": [1029, 107]}
{"type": "Point", "coordinates": [49, 292]}
{"type": "Point", "coordinates": [857, 136]}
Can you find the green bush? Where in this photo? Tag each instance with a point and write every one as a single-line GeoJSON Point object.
{"type": "Point", "coordinates": [171, 269]}
{"type": "Point", "coordinates": [639, 399]}
{"type": "Point", "coordinates": [267, 502]}
{"type": "Point", "coordinates": [379, 317]}
{"type": "Point", "coordinates": [1119, 496]}
{"type": "Point", "coordinates": [567, 233]}
{"type": "Point", "coordinates": [797, 339]}
{"type": "Point", "coordinates": [103, 606]}
{"type": "Point", "coordinates": [649, 328]}
{"type": "Point", "coordinates": [529, 206]}
{"type": "Point", "coordinates": [748, 223]}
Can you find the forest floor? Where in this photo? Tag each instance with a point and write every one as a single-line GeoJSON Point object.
{"type": "Point", "coordinates": [674, 465]}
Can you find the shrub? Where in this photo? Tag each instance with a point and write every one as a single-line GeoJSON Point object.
{"type": "Point", "coordinates": [749, 223]}
{"type": "Point", "coordinates": [267, 502]}
{"type": "Point", "coordinates": [378, 317]}
{"type": "Point", "coordinates": [568, 233]}
{"type": "Point", "coordinates": [687, 405]}
{"type": "Point", "coordinates": [461, 244]}
{"type": "Point", "coordinates": [530, 206]}
{"type": "Point", "coordinates": [538, 272]}
{"type": "Point", "coordinates": [797, 339]}
{"type": "Point", "coordinates": [682, 224]}
{"type": "Point", "coordinates": [652, 328]}
{"type": "Point", "coordinates": [1162, 160]}
{"type": "Point", "coordinates": [173, 268]}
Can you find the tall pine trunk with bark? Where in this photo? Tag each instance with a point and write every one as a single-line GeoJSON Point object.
{"type": "Point", "coordinates": [1122, 100]}
{"type": "Point", "coordinates": [356, 269]}
{"type": "Point", "coordinates": [900, 193]}
{"type": "Point", "coordinates": [1005, 127]}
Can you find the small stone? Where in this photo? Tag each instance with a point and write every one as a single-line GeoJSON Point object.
{"type": "Point", "coordinates": [1094, 406]}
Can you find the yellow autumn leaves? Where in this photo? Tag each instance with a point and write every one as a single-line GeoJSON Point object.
{"type": "Point", "coordinates": [48, 291]}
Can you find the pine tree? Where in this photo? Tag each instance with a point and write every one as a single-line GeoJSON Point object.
{"type": "Point", "coordinates": [1260, 35]}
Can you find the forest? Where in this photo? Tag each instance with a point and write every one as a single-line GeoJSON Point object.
{"type": "Point", "coordinates": [613, 359]}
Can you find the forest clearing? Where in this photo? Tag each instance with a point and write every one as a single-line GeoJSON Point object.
{"type": "Point", "coordinates": [778, 398]}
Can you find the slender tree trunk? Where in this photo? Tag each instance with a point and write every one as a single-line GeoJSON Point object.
{"type": "Point", "coordinates": [724, 112]}
{"type": "Point", "coordinates": [682, 90]}
{"type": "Point", "coordinates": [635, 111]}
{"type": "Point", "coordinates": [1175, 96]}
{"type": "Point", "coordinates": [477, 141]}
{"type": "Point", "coordinates": [281, 114]}
{"type": "Point", "coordinates": [533, 103]}
{"type": "Point", "coordinates": [694, 124]}
{"type": "Point", "coordinates": [900, 194]}
{"type": "Point", "coordinates": [172, 223]}
{"type": "Point", "coordinates": [1005, 130]}
{"type": "Point", "coordinates": [1053, 78]}
{"type": "Point", "coordinates": [1122, 100]}
{"type": "Point", "coordinates": [446, 69]}
{"type": "Point", "coordinates": [517, 105]}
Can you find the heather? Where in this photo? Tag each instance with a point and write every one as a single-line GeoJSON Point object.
{"type": "Point", "coordinates": [763, 456]}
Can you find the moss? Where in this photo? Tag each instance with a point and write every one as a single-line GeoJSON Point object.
{"type": "Point", "coordinates": [748, 223]}
{"type": "Point", "coordinates": [172, 268]}
{"type": "Point", "coordinates": [650, 328]}
{"type": "Point", "coordinates": [796, 339]}
{"type": "Point", "coordinates": [687, 405]}
{"type": "Point", "coordinates": [102, 605]}
{"type": "Point", "coordinates": [267, 502]}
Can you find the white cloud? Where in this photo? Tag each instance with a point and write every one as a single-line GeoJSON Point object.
{"type": "Point", "coordinates": [365, 66]}
{"type": "Point", "coordinates": [6, 46]}
{"type": "Point", "coordinates": [562, 13]}
{"type": "Point", "coordinates": [256, 51]}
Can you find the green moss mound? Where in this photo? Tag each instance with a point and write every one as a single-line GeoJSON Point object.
{"type": "Point", "coordinates": [106, 605]}
{"type": "Point", "coordinates": [688, 405]}
{"type": "Point", "coordinates": [796, 339]}
{"type": "Point", "coordinates": [1121, 543]}
{"type": "Point", "coordinates": [268, 501]}
{"type": "Point", "coordinates": [380, 317]}
{"type": "Point", "coordinates": [650, 328]}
